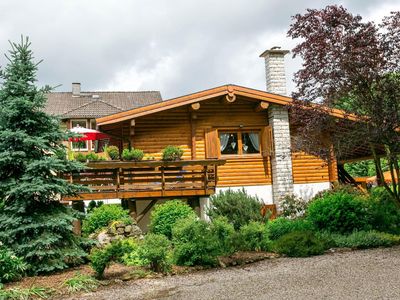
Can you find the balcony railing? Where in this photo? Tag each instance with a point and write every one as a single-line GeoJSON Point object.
{"type": "Point", "coordinates": [147, 179]}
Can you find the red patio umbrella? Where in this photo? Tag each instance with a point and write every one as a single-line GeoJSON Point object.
{"type": "Point", "coordinates": [87, 134]}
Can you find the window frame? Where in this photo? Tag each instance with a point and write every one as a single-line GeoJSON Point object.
{"type": "Point", "coordinates": [86, 142]}
{"type": "Point", "coordinates": [239, 132]}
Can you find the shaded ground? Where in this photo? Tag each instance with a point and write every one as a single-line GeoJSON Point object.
{"type": "Point", "coordinates": [368, 274]}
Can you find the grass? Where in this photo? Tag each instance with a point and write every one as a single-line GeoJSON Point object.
{"type": "Point", "coordinates": [25, 293]}
{"type": "Point", "coordinates": [81, 282]}
{"type": "Point", "coordinates": [139, 273]}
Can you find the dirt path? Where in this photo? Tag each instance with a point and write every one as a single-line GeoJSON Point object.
{"type": "Point", "coordinates": [369, 274]}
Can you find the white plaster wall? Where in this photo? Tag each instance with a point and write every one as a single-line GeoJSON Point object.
{"type": "Point", "coordinates": [308, 190]}
{"type": "Point", "coordinates": [263, 192]}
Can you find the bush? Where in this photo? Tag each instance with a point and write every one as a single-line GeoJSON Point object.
{"type": "Point", "coordinates": [94, 204]}
{"type": "Point", "coordinates": [194, 243]}
{"type": "Point", "coordinates": [133, 154]}
{"type": "Point", "coordinates": [164, 216]}
{"type": "Point", "coordinates": [155, 250]}
{"type": "Point", "coordinates": [365, 239]}
{"type": "Point", "coordinates": [112, 152]}
{"type": "Point", "coordinates": [225, 233]}
{"type": "Point", "coordinates": [385, 215]}
{"type": "Point", "coordinates": [293, 207]}
{"type": "Point", "coordinates": [340, 212]}
{"type": "Point", "coordinates": [239, 207]}
{"type": "Point", "coordinates": [132, 257]}
{"type": "Point", "coordinates": [102, 216]}
{"type": "Point", "coordinates": [281, 226]}
{"type": "Point", "coordinates": [80, 157]}
{"type": "Point", "coordinates": [172, 153]}
{"type": "Point", "coordinates": [11, 266]}
{"type": "Point", "coordinates": [300, 244]}
{"type": "Point", "coordinates": [253, 237]}
{"type": "Point", "coordinates": [100, 258]}
{"type": "Point", "coordinates": [91, 156]}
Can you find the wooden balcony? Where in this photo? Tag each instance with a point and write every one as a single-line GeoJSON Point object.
{"type": "Point", "coordinates": [147, 179]}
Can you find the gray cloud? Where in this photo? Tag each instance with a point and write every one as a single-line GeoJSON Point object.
{"type": "Point", "coordinates": [175, 46]}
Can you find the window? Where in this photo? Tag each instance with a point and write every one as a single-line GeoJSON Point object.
{"type": "Point", "coordinates": [239, 142]}
{"type": "Point", "coordinates": [81, 145]}
{"type": "Point", "coordinates": [228, 143]}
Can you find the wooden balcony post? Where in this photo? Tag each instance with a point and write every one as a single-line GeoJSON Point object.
{"type": "Point", "coordinates": [118, 171]}
{"type": "Point", "coordinates": [205, 179]}
{"type": "Point", "coordinates": [162, 181]}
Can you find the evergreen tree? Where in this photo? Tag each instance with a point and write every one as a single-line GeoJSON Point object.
{"type": "Point", "coordinates": [32, 220]}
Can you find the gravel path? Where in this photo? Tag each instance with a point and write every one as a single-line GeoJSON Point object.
{"type": "Point", "coordinates": [368, 274]}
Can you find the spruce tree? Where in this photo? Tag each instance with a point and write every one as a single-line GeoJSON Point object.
{"type": "Point", "coordinates": [33, 222]}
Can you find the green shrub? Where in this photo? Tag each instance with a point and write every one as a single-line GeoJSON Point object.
{"type": "Point", "coordinates": [194, 243]}
{"type": "Point", "coordinates": [102, 216]}
{"type": "Point", "coordinates": [365, 239]}
{"type": "Point", "coordinates": [100, 258]}
{"type": "Point", "coordinates": [93, 204]}
{"type": "Point", "coordinates": [155, 250]}
{"type": "Point", "coordinates": [112, 152]}
{"type": "Point", "coordinates": [385, 215]}
{"type": "Point", "coordinates": [132, 257]}
{"type": "Point", "coordinates": [81, 282]}
{"type": "Point", "coordinates": [293, 207]}
{"type": "Point", "coordinates": [281, 226]}
{"type": "Point", "coordinates": [300, 244]}
{"type": "Point", "coordinates": [239, 207]}
{"type": "Point", "coordinates": [132, 154]}
{"type": "Point", "coordinates": [225, 233]}
{"type": "Point", "coordinates": [91, 156]}
{"type": "Point", "coordinates": [80, 157]}
{"type": "Point", "coordinates": [340, 212]}
{"type": "Point", "coordinates": [253, 237]}
{"type": "Point", "coordinates": [164, 216]}
{"type": "Point", "coordinates": [11, 267]}
{"type": "Point", "coordinates": [172, 153]}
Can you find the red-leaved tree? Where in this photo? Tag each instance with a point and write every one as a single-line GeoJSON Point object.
{"type": "Point", "coordinates": [355, 66]}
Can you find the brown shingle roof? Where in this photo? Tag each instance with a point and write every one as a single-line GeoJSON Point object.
{"type": "Point", "coordinates": [97, 104]}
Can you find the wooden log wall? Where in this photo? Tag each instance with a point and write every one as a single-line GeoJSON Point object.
{"type": "Point", "coordinates": [177, 127]}
{"type": "Point", "coordinates": [238, 171]}
{"type": "Point", "coordinates": [309, 169]}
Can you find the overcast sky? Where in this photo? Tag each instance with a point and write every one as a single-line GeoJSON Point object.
{"type": "Point", "coordinates": [174, 46]}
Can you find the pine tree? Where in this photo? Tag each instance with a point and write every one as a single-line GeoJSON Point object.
{"type": "Point", "coordinates": [32, 220]}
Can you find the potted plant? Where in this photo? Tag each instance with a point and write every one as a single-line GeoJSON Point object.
{"type": "Point", "coordinates": [172, 153]}
{"type": "Point", "coordinates": [132, 154]}
{"type": "Point", "coordinates": [112, 152]}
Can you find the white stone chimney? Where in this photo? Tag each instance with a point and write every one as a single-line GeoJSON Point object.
{"type": "Point", "coordinates": [275, 70]}
{"type": "Point", "coordinates": [76, 89]}
{"type": "Point", "coordinates": [278, 118]}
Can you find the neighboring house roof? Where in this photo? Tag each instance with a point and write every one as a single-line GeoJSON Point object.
{"type": "Point", "coordinates": [228, 90]}
{"type": "Point", "coordinates": [97, 104]}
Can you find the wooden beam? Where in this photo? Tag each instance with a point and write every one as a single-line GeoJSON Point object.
{"type": "Point", "coordinates": [146, 210]}
{"type": "Point", "coordinates": [195, 106]}
{"type": "Point", "coordinates": [261, 106]}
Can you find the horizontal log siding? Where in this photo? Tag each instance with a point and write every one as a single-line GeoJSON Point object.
{"type": "Point", "coordinates": [172, 127]}
{"type": "Point", "coordinates": [154, 132]}
{"type": "Point", "coordinates": [309, 169]}
{"type": "Point", "coordinates": [245, 171]}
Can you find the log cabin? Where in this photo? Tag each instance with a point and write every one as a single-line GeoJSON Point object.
{"type": "Point", "coordinates": [232, 137]}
